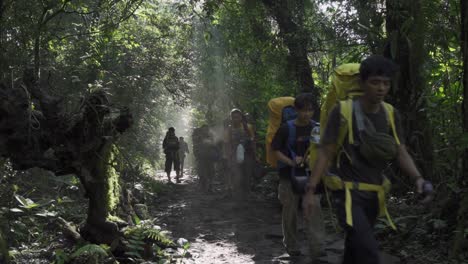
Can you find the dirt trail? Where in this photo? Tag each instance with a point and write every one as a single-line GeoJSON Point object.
{"type": "Point", "coordinates": [221, 230]}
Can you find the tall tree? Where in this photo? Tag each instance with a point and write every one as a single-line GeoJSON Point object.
{"type": "Point", "coordinates": [290, 18]}
{"type": "Point", "coordinates": [463, 204]}
{"type": "Point", "coordinates": [405, 25]}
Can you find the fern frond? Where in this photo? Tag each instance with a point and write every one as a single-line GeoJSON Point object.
{"type": "Point", "coordinates": [90, 249]}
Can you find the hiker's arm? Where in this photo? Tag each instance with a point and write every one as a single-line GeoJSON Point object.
{"type": "Point", "coordinates": [324, 156]}
{"type": "Point", "coordinates": [285, 159]}
{"type": "Point", "coordinates": [408, 166]}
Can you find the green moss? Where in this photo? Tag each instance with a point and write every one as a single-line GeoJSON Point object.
{"type": "Point", "coordinates": [111, 177]}
{"type": "Point", "coordinates": [113, 191]}
{"type": "Point", "coordinates": [114, 218]}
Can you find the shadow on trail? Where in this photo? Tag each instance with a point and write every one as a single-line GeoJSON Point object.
{"type": "Point", "coordinates": [221, 229]}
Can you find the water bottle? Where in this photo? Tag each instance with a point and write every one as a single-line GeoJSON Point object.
{"type": "Point", "coordinates": [315, 135]}
{"type": "Point", "coordinates": [240, 151]}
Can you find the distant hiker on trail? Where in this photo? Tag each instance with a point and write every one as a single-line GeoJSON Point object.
{"type": "Point", "coordinates": [290, 144]}
{"type": "Point", "coordinates": [171, 149]}
{"type": "Point", "coordinates": [183, 149]}
{"type": "Point", "coordinates": [204, 150]}
{"type": "Point", "coordinates": [239, 151]}
{"type": "Point", "coordinates": [362, 136]}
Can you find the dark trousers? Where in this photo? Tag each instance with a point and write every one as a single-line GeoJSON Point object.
{"type": "Point", "coordinates": [205, 170]}
{"type": "Point", "coordinates": [181, 162]}
{"type": "Point", "coordinates": [172, 158]}
{"type": "Point", "coordinates": [361, 247]}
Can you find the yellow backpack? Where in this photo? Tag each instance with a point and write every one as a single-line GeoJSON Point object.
{"type": "Point", "coordinates": [275, 109]}
{"type": "Point", "coordinates": [344, 84]}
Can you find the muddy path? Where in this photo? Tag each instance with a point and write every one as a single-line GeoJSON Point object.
{"type": "Point", "coordinates": [222, 230]}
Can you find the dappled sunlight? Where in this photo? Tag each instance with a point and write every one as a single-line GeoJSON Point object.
{"type": "Point", "coordinates": [218, 252]}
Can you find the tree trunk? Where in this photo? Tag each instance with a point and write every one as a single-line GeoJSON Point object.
{"type": "Point", "coordinates": [4, 255]}
{"type": "Point", "coordinates": [289, 16]}
{"type": "Point", "coordinates": [64, 143]}
{"type": "Point", "coordinates": [405, 28]}
{"type": "Point", "coordinates": [96, 178]}
{"type": "Point", "coordinates": [371, 21]}
{"type": "Point", "coordinates": [36, 51]}
{"type": "Point", "coordinates": [462, 215]}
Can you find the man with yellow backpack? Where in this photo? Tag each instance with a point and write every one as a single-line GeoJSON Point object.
{"type": "Point", "coordinates": [362, 136]}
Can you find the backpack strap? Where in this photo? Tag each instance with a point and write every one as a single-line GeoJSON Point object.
{"type": "Point", "coordinates": [291, 137]}
{"type": "Point", "coordinates": [346, 111]}
{"type": "Point", "coordinates": [292, 140]}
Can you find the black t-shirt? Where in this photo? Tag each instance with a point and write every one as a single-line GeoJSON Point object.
{"type": "Point", "coordinates": [361, 170]}
{"type": "Point", "coordinates": [280, 142]}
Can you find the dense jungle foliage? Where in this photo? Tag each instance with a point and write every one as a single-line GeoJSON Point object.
{"type": "Point", "coordinates": [186, 63]}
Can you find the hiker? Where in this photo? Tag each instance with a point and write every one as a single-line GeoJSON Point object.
{"type": "Point", "coordinates": [171, 149]}
{"type": "Point", "coordinates": [362, 136]}
{"type": "Point", "coordinates": [239, 151]}
{"type": "Point", "coordinates": [290, 144]}
{"type": "Point", "coordinates": [183, 150]}
{"type": "Point", "coordinates": [205, 154]}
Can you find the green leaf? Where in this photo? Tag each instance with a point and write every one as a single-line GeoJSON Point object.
{"type": "Point", "coordinates": [16, 210]}
{"type": "Point", "coordinates": [136, 220]}
{"type": "Point", "coordinates": [90, 249]}
{"type": "Point", "coordinates": [47, 214]}
{"type": "Point", "coordinates": [133, 253]}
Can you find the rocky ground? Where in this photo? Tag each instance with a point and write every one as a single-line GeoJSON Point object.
{"type": "Point", "coordinates": [222, 230]}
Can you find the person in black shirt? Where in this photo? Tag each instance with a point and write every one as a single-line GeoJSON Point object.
{"type": "Point", "coordinates": [376, 73]}
{"type": "Point", "coordinates": [171, 149]}
{"type": "Point", "coordinates": [292, 159]}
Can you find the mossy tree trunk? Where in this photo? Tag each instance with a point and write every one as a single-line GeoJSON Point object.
{"type": "Point", "coordinates": [97, 179]}
{"type": "Point", "coordinates": [79, 143]}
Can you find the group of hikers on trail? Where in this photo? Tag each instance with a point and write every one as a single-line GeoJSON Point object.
{"type": "Point", "coordinates": [231, 154]}
{"type": "Point", "coordinates": [175, 150]}
{"type": "Point", "coordinates": [360, 136]}
{"type": "Point", "coordinates": [343, 158]}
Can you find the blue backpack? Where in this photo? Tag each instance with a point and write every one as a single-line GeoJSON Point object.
{"type": "Point", "coordinates": [288, 113]}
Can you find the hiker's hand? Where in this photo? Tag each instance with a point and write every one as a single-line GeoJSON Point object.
{"type": "Point", "coordinates": [426, 189]}
{"type": "Point", "coordinates": [308, 201]}
{"type": "Point", "coordinates": [299, 160]}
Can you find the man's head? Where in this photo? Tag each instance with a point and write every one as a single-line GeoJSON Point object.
{"type": "Point", "coordinates": [181, 138]}
{"type": "Point", "coordinates": [171, 131]}
{"type": "Point", "coordinates": [236, 116]}
{"type": "Point", "coordinates": [376, 74]}
{"type": "Point", "coordinates": [304, 106]}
